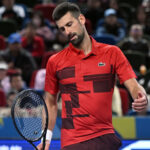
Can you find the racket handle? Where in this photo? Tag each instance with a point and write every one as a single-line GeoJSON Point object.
{"type": "Point", "coordinates": [47, 138]}
{"type": "Point", "coordinates": [49, 135]}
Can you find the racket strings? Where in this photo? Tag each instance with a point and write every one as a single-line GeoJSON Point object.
{"type": "Point", "coordinates": [28, 113]}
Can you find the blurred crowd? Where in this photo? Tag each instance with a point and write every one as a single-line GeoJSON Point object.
{"type": "Point", "coordinates": [29, 36]}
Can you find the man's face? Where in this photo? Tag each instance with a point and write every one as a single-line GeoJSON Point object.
{"type": "Point", "coordinates": [15, 47]}
{"type": "Point", "coordinates": [17, 83]}
{"type": "Point", "coordinates": [3, 73]}
{"type": "Point", "coordinates": [111, 20]}
{"type": "Point", "coordinates": [11, 99]}
{"type": "Point", "coordinates": [113, 4]}
{"type": "Point", "coordinates": [8, 3]}
{"type": "Point", "coordinates": [30, 32]}
{"type": "Point", "coordinates": [136, 32]}
{"type": "Point", "coordinates": [95, 4]}
{"type": "Point", "coordinates": [72, 27]}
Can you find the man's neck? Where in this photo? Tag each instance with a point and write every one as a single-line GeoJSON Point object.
{"type": "Point", "coordinates": [14, 53]}
{"type": "Point", "coordinates": [9, 8]}
{"type": "Point", "coordinates": [135, 40]}
{"type": "Point", "coordinates": [86, 44]}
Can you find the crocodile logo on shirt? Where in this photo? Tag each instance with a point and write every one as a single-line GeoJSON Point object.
{"type": "Point", "coordinates": [101, 64]}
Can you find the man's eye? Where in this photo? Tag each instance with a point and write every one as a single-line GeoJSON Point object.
{"type": "Point", "coordinates": [69, 24]}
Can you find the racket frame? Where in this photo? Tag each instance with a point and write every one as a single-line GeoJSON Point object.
{"type": "Point", "coordinates": [46, 117]}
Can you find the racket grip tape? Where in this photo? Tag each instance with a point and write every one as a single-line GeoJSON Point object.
{"type": "Point", "coordinates": [49, 135]}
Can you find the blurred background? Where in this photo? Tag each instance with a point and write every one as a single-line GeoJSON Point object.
{"type": "Point", "coordinates": [29, 37]}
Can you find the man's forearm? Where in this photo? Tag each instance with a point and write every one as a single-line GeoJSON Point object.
{"type": "Point", "coordinates": [138, 94]}
{"type": "Point", "coordinates": [52, 113]}
{"type": "Point", "coordinates": [136, 89]}
{"type": "Point", "coordinates": [133, 87]}
{"type": "Point", "coordinates": [51, 103]}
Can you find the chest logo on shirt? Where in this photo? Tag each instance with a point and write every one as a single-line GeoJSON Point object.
{"type": "Point", "coordinates": [101, 64]}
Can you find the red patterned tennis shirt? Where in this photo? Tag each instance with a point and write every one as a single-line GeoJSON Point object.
{"type": "Point", "coordinates": [86, 84]}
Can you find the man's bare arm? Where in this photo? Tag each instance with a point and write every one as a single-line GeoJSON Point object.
{"type": "Point", "coordinates": [138, 94]}
{"type": "Point", "coordinates": [51, 103]}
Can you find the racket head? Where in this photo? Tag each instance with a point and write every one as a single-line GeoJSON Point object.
{"type": "Point", "coordinates": [30, 115]}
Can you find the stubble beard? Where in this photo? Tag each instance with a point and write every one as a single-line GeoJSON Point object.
{"type": "Point", "coordinates": [77, 42]}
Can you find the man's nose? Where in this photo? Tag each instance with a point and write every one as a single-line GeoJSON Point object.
{"type": "Point", "coordinates": [67, 31]}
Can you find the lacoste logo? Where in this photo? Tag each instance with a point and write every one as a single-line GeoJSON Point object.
{"type": "Point", "coordinates": [101, 64]}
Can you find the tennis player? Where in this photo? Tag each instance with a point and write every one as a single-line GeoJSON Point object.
{"type": "Point", "coordinates": [84, 73]}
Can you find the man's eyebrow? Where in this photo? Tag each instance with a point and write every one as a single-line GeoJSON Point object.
{"type": "Point", "coordinates": [65, 24]}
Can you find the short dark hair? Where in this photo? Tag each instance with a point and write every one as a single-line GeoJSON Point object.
{"type": "Point", "coordinates": [14, 75]}
{"type": "Point", "coordinates": [65, 7]}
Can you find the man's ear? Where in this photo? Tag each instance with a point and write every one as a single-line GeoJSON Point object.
{"type": "Point", "coordinates": [82, 19]}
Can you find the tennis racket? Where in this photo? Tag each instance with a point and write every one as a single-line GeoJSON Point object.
{"type": "Point", "coordinates": [30, 116]}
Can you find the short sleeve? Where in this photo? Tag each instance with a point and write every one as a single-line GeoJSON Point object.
{"type": "Point", "coordinates": [122, 66]}
{"type": "Point", "coordinates": [51, 82]}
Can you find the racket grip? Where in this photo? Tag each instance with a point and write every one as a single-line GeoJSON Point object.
{"type": "Point", "coordinates": [49, 134]}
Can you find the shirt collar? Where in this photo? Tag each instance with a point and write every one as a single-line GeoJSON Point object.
{"type": "Point", "coordinates": [95, 45]}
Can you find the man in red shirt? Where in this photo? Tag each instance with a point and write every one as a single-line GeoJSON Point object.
{"type": "Point", "coordinates": [31, 42]}
{"type": "Point", "coordinates": [84, 73]}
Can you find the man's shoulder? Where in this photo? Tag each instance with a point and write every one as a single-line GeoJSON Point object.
{"type": "Point", "coordinates": [25, 53]}
{"type": "Point", "coordinates": [144, 41]}
{"type": "Point", "coordinates": [63, 54]}
{"type": "Point", "coordinates": [5, 52]}
{"type": "Point", "coordinates": [102, 47]}
{"type": "Point", "coordinates": [18, 7]}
